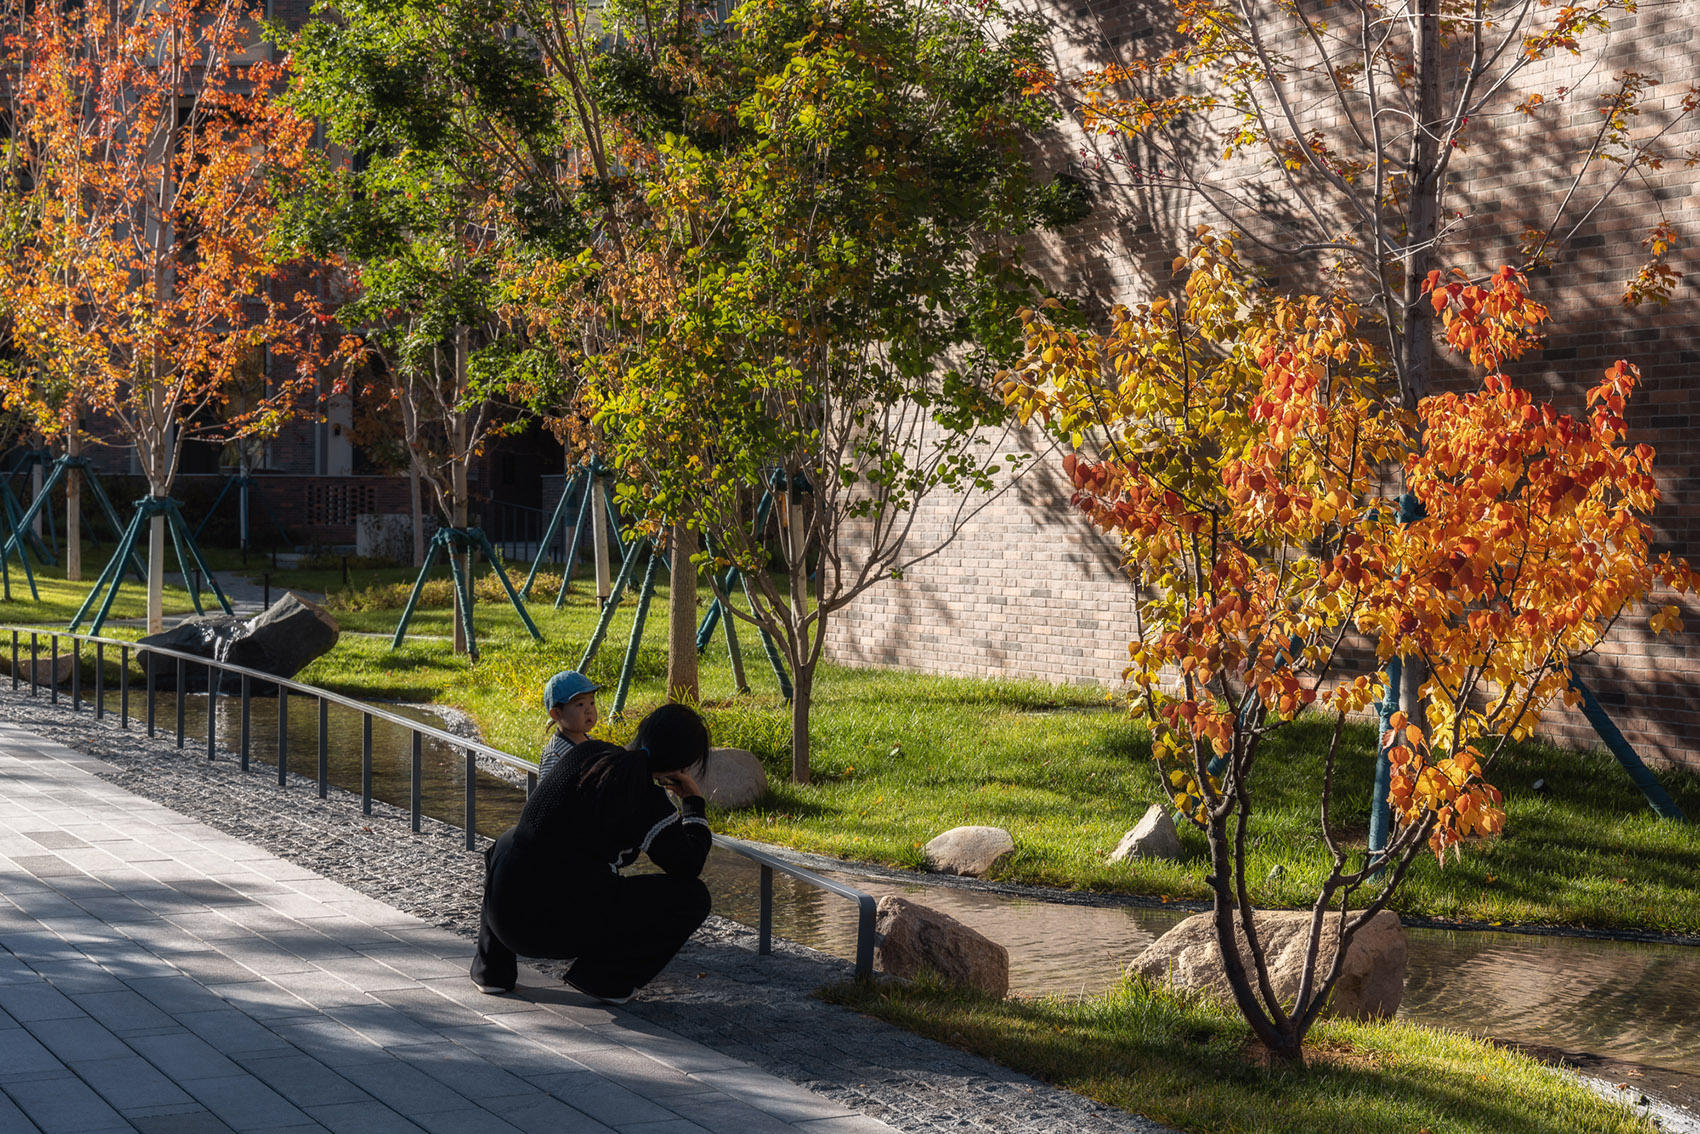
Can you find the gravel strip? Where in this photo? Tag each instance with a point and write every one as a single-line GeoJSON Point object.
{"type": "Point", "coordinates": [718, 992]}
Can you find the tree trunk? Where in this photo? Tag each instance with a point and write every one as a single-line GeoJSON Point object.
{"type": "Point", "coordinates": [682, 619]}
{"type": "Point", "coordinates": [156, 574]}
{"type": "Point", "coordinates": [461, 458]}
{"type": "Point", "coordinates": [74, 508]}
{"type": "Point", "coordinates": [414, 498]}
{"type": "Point", "coordinates": [803, 683]}
{"type": "Point", "coordinates": [599, 540]}
{"type": "Point", "coordinates": [1416, 339]}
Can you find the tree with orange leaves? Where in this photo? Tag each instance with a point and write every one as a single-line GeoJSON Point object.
{"type": "Point", "coordinates": [1241, 448]}
{"type": "Point", "coordinates": [146, 160]}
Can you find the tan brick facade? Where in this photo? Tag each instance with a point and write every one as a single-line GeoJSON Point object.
{"type": "Point", "coordinates": [1027, 589]}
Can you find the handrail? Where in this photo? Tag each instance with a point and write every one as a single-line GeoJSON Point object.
{"type": "Point", "coordinates": [865, 905]}
{"type": "Point", "coordinates": [472, 748]}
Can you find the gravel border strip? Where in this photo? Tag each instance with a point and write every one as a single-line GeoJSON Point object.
{"type": "Point", "coordinates": [718, 992]}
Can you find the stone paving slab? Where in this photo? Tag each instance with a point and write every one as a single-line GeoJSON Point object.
{"type": "Point", "coordinates": [159, 975]}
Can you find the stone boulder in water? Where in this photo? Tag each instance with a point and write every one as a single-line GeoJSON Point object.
{"type": "Point", "coordinates": [280, 640]}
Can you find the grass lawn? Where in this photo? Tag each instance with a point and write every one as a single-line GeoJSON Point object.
{"type": "Point", "coordinates": [900, 757]}
{"type": "Point", "coordinates": [1183, 1061]}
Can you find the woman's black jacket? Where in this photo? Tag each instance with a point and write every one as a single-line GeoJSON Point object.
{"type": "Point", "coordinates": [582, 829]}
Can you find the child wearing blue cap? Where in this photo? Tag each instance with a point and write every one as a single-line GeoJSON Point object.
{"type": "Point", "coordinates": [570, 700]}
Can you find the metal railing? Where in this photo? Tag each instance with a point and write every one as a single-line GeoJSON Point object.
{"type": "Point", "coordinates": [186, 663]}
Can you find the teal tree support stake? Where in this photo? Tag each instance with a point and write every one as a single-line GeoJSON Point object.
{"type": "Point", "coordinates": [567, 488]}
{"type": "Point", "coordinates": [450, 542]}
{"type": "Point", "coordinates": [1626, 755]}
{"type": "Point", "coordinates": [584, 517]}
{"type": "Point", "coordinates": [615, 591]}
{"type": "Point", "coordinates": [1380, 814]}
{"type": "Point", "coordinates": [627, 667]}
{"type": "Point", "coordinates": [189, 560]}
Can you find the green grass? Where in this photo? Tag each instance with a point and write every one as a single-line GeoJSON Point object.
{"type": "Point", "coordinates": [1184, 1061]}
{"type": "Point", "coordinates": [899, 757]}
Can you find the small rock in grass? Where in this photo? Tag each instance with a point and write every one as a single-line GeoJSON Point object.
{"type": "Point", "coordinates": [1154, 837]}
{"type": "Point", "coordinates": [969, 851]}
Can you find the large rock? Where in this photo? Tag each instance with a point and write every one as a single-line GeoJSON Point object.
{"type": "Point", "coordinates": [912, 939]}
{"type": "Point", "coordinates": [284, 638]}
{"type": "Point", "coordinates": [280, 640]}
{"type": "Point", "coordinates": [733, 778]}
{"type": "Point", "coordinates": [203, 637]}
{"type": "Point", "coordinates": [45, 670]}
{"type": "Point", "coordinates": [1371, 984]}
{"type": "Point", "coordinates": [969, 851]}
{"type": "Point", "coordinates": [1154, 837]}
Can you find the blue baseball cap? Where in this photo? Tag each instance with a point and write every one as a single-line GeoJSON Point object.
{"type": "Point", "coordinates": [564, 686]}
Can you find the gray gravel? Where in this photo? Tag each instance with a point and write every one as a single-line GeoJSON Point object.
{"type": "Point", "coordinates": [718, 992]}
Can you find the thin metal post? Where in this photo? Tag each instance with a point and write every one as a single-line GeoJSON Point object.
{"type": "Point", "coordinates": [99, 680]}
{"type": "Point", "coordinates": [418, 770]}
{"type": "Point", "coordinates": [764, 919]}
{"type": "Point", "coordinates": [247, 704]}
{"type": "Point", "coordinates": [530, 783]}
{"type": "Point", "coordinates": [212, 711]}
{"type": "Point", "coordinates": [365, 763]}
{"type": "Point", "coordinates": [182, 696]}
{"type": "Point", "coordinates": [152, 681]}
{"type": "Point", "coordinates": [35, 662]}
{"type": "Point", "coordinates": [53, 674]}
{"type": "Point", "coordinates": [471, 798]}
{"type": "Point", "coordinates": [123, 686]}
{"type": "Point", "coordinates": [76, 675]}
{"type": "Point", "coordinates": [324, 748]}
{"type": "Point", "coordinates": [282, 736]}
{"type": "Point", "coordinates": [15, 678]}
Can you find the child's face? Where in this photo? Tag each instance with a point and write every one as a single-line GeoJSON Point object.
{"type": "Point", "coordinates": [577, 716]}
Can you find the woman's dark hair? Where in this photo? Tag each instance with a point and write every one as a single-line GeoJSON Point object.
{"type": "Point", "coordinates": [672, 737]}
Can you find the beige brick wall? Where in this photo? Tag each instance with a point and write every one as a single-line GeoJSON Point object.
{"type": "Point", "coordinates": [1028, 589]}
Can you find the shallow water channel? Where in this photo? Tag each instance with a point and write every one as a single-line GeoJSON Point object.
{"type": "Point", "coordinates": [1628, 1000]}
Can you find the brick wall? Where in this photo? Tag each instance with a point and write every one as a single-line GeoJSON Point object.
{"type": "Point", "coordinates": [1027, 589]}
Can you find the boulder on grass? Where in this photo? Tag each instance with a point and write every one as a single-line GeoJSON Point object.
{"type": "Point", "coordinates": [1371, 985]}
{"type": "Point", "coordinates": [969, 851]}
{"type": "Point", "coordinates": [912, 939]}
{"type": "Point", "coordinates": [733, 778]}
{"type": "Point", "coordinates": [44, 671]}
{"type": "Point", "coordinates": [280, 640]}
{"type": "Point", "coordinates": [1154, 837]}
{"type": "Point", "coordinates": [283, 638]}
{"type": "Point", "coordinates": [203, 636]}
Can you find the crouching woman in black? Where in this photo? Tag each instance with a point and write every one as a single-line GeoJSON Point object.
{"type": "Point", "coordinates": [552, 882]}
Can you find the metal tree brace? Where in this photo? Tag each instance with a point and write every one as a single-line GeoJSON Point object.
{"type": "Point", "coordinates": [582, 480]}
{"type": "Point", "coordinates": [247, 488]}
{"type": "Point", "coordinates": [451, 542]}
{"type": "Point", "coordinates": [21, 528]}
{"type": "Point", "coordinates": [182, 540]}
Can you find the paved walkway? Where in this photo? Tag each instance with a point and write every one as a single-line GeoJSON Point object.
{"type": "Point", "coordinates": [158, 975]}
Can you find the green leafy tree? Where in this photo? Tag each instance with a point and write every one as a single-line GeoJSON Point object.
{"type": "Point", "coordinates": [813, 287]}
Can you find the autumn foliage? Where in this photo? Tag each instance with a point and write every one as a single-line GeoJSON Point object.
{"type": "Point", "coordinates": [145, 162]}
{"type": "Point", "coordinates": [1243, 446]}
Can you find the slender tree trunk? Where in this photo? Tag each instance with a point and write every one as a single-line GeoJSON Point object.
{"type": "Point", "coordinates": [1417, 340]}
{"type": "Point", "coordinates": [74, 507]}
{"type": "Point", "coordinates": [682, 619]}
{"type": "Point", "coordinates": [418, 505]}
{"type": "Point", "coordinates": [802, 691]}
{"type": "Point", "coordinates": [599, 540]}
{"type": "Point", "coordinates": [461, 459]}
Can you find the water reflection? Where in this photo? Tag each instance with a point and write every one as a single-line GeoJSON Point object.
{"type": "Point", "coordinates": [1633, 1001]}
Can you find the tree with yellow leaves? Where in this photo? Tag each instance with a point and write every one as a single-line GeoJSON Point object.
{"type": "Point", "coordinates": [1240, 445]}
